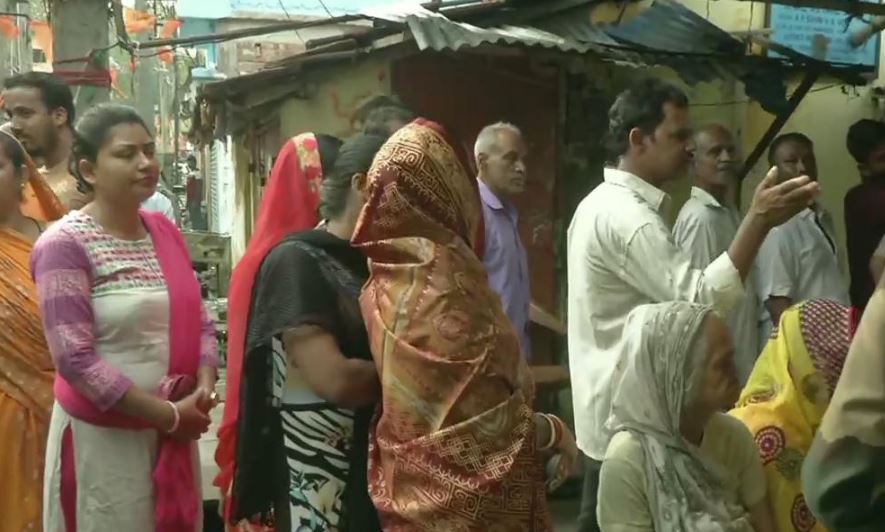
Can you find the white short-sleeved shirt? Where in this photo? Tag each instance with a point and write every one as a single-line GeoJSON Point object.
{"type": "Point", "coordinates": [158, 202]}
{"type": "Point", "coordinates": [799, 260]}
{"type": "Point", "coordinates": [705, 229]}
{"type": "Point", "coordinates": [623, 503]}
{"type": "Point", "coordinates": [621, 254]}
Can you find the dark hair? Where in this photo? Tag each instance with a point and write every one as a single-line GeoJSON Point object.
{"type": "Point", "coordinates": [795, 136]}
{"type": "Point", "coordinates": [54, 91]}
{"type": "Point", "coordinates": [362, 113]}
{"type": "Point", "coordinates": [328, 146]}
{"type": "Point", "coordinates": [13, 150]}
{"type": "Point", "coordinates": [92, 132]}
{"type": "Point", "coordinates": [376, 121]}
{"type": "Point", "coordinates": [642, 106]}
{"type": "Point", "coordinates": [864, 136]}
{"type": "Point", "coordinates": [354, 157]}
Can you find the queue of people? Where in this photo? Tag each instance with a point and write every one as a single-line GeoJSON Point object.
{"type": "Point", "coordinates": [377, 369]}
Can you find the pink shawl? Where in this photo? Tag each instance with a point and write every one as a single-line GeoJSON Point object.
{"type": "Point", "coordinates": [176, 498]}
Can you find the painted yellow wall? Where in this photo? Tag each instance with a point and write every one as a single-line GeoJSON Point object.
{"type": "Point", "coordinates": [335, 98]}
{"type": "Point", "coordinates": [824, 116]}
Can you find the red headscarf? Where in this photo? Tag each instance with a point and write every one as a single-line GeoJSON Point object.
{"type": "Point", "coordinates": [289, 205]}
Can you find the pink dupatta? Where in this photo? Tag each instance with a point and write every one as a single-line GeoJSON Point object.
{"type": "Point", "coordinates": [175, 493]}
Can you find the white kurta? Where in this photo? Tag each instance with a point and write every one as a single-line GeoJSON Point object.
{"type": "Point", "coordinates": [113, 466]}
{"type": "Point", "coordinates": [705, 229]}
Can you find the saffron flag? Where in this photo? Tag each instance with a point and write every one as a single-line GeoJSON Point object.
{"type": "Point", "coordinates": [138, 21]}
{"type": "Point", "coordinates": [43, 37]}
{"type": "Point", "coordinates": [8, 27]}
{"type": "Point", "coordinates": [169, 29]}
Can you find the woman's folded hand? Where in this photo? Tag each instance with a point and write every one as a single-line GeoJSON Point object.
{"type": "Point", "coordinates": [567, 450]}
{"type": "Point", "coordinates": [193, 420]}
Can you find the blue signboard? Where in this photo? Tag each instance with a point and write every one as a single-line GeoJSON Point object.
{"type": "Point", "coordinates": [822, 34]}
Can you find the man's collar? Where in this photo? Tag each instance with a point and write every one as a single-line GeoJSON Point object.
{"type": "Point", "coordinates": [488, 197]}
{"type": "Point", "coordinates": [649, 193]}
{"type": "Point", "coordinates": [813, 212]}
{"type": "Point", "coordinates": [705, 197]}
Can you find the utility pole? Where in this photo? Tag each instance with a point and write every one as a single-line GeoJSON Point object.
{"type": "Point", "coordinates": [80, 28]}
{"type": "Point", "coordinates": [6, 46]}
{"type": "Point", "coordinates": [146, 76]}
{"type": "Point", "coordinates": [25, 46]}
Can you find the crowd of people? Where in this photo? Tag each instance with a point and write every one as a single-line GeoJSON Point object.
{"type": "Point", "coordinates": [724, 377]}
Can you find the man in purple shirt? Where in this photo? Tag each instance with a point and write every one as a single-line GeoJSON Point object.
{"type": "Point", "coordinates": [500, 158]}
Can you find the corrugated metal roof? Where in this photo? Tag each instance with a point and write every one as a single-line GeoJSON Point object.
{"type": "Point", "coordinates": [701, 51]}
{"type": "Point", "coordinates": [434, 31]}
{"type": "Point", "coordinates": [666, 34]}
{"type": "Point", "coordinates": [675, 28]}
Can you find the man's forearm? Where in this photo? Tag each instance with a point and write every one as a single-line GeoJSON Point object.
{"type": "Point", "coordinates": [745, 246]}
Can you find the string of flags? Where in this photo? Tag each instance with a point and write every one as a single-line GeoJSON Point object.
{"type": "Point", "coordinates": [136, 22]}
{"type": "Point", "coordinates": [92, 74]}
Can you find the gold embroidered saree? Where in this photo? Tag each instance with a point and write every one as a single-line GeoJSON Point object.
{"type": "Point", "coordinates": [453, 448]}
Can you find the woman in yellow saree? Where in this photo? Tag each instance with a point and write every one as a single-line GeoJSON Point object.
{"type": "Point", "coordinates": [785, 399]}
{"type": "Point", "coordinates": [456, 443]}
{"type": "Point", "coordinates": [26, 371]}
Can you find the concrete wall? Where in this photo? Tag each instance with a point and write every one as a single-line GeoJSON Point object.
{"type": "Point", "coordinates": [244, 56]}
{"type": "Point", "coordinates": [335, 98]}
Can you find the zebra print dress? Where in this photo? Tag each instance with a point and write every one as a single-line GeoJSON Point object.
{"type": "Point", "coordinates": [318, 440]}
{"type": "Point", "coordinates": [302, 461]}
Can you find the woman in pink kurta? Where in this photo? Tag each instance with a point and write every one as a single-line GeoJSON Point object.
{"type": "Point", "coordinates": [133, 346]}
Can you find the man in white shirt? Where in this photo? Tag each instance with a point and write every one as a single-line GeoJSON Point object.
{"type": "Point", "coordinates": [158, 202]}
{"type": "Point", "coordinates": [799, 260]}
{"type": "Point", "coordinates": [708, 223]}
{"type": "Point", "coordinates": [621, 253]}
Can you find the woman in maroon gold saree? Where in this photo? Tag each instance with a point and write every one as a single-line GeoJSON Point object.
{"type": "Point", "coordinates": [456, 444]}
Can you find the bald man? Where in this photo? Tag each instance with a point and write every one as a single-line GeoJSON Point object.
{"type": "Point", "coordinates": [708, 223]}
{"type": "Point", "coordinates": [500, 153]}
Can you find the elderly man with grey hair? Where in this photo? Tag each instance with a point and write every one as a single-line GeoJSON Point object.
{"type": "Point", "coordinates": [500, 153]}
{"type": "Point", "coordinates": [708, 223]}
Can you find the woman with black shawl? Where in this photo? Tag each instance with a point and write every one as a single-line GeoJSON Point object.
{"type": "Point", "coordinates": [309, 384]}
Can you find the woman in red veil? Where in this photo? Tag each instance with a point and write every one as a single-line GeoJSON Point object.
{"type": "Point", "coordinates": [289, 205]}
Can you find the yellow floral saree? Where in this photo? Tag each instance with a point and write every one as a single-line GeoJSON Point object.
{"type": "Point", "coordinates": [785, 399]}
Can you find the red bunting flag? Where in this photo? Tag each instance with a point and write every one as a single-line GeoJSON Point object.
{"type": "Point", "coordinates": [169, 29]}
{"type": "Point", "coordinates": [138, 21]}
{"type": "Point", "coordinates": [8, 27]}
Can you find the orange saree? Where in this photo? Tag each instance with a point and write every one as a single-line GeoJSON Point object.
{"type": "Point", "coordinates": [453, 448]}
{"type": "Point", "coordinates": [26, 374]}
{"type": "Point", "coordinates": [26, 370]}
